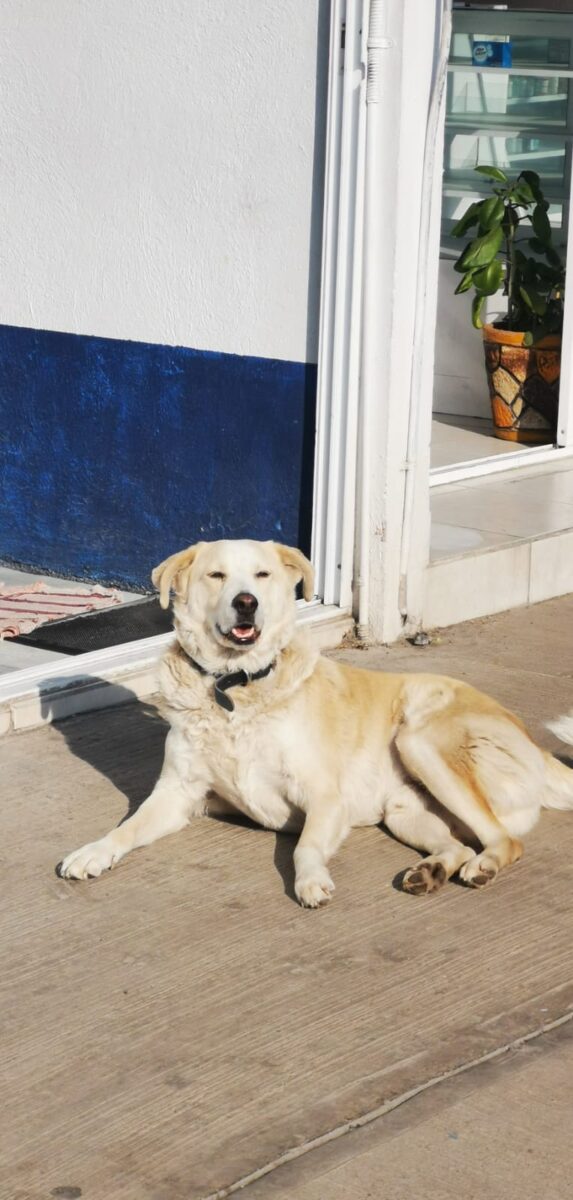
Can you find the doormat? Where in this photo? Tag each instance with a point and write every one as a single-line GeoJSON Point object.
{"type": "Point", "coordinates": [24, 608]}
{"type": "Point", "coordinates": [97, 630]}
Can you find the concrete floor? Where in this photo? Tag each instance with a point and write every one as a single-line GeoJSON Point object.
{"type": "Point", "coordinates": [495, 1130]}
{"type": "Point", "coordinates": [181, 1023]}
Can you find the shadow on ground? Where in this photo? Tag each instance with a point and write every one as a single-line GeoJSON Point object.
{"type": "Point", "coordinates": [125, 744]}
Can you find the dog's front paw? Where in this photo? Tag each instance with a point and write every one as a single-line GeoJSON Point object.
{"type": "Point", "coordinates": [89, 861]}
{"type": "Point", "coordinates": [314, 890]}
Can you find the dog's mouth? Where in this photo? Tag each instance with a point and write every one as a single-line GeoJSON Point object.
{"type": "Point", "coordinates": [243, 634]}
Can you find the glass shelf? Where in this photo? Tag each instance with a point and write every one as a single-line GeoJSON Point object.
{"type": "Point", "coordinates": [501, 97]}
{"type": "Point", "coordinates": [516, 113]}
{"type": "Point", "coordinates": [512, 153]}
{"type": "Point", "coordinates": [548, 53]}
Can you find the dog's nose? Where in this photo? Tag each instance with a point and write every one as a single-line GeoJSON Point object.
{"type": "Point", "coordinates": [245, 602]}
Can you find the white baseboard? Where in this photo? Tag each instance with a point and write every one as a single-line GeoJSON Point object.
{"type": "Point", "coordinates": [498, 579]}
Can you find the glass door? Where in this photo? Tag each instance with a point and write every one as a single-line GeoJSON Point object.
{"type": "Point", "coordinates": [510, 105]}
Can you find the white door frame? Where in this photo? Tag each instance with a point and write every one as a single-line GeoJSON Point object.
{"type": "Point", "coordinates": [380, 264]}
{"type": "Point", "coordinates": [565, 422]}
{"type": "Point", "coordinates": [334, 502]}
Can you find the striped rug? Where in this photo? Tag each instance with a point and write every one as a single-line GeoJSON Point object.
{"type": "Point", "coordinates": [23, 609]}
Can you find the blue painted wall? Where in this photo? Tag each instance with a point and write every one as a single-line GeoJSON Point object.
{"type": "Point", "coordinates": [115, 453]}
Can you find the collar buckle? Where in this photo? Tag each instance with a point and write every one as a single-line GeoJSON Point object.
{"type": "Point", "coordinates": [228, 680]}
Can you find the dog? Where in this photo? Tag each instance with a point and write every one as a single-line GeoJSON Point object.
{"type": "Point", "coordinates": [261, 724]}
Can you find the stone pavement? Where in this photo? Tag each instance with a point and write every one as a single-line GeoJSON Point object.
{"type": "Point", "coordinates": [181, 1025]}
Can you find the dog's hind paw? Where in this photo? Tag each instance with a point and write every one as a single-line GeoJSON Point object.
{"type": "Point", "coordinates": [427, 876]}
{"type": "Point", "coordinates": [479, 870]}
{"type": "Point", "coordinates": [314, 890]}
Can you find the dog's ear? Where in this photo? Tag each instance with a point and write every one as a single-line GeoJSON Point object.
{"type": "Point", "coordinates": [173, 572]}
{"type": "Point", "coordinates": [295, 560]}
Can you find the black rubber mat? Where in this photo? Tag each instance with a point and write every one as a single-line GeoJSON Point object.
{"type": "Point", "coordinates": [96, 630]}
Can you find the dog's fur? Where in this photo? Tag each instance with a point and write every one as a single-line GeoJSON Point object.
{"type": "Point", "coordinates": [322, 746]}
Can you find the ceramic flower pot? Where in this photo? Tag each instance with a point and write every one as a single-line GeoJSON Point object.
{"type": "Point", "coordinates": [523, 385]}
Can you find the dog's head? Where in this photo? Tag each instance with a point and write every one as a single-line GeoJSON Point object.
{"type": "Point", "coordinates": [234, 601]}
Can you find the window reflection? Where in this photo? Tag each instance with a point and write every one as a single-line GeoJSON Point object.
{"type": "Point", "coordinates": [514, 112]}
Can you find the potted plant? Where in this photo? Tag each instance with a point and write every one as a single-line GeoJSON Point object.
{"type": "Point", "coordinates": [512, 250]}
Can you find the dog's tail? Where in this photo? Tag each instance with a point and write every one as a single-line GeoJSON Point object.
{"type": "Point", "coordinates": [559, 777]}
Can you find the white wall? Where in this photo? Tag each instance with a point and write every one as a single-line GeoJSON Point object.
{"type": "Point", "coordinates": [160, 180]}
{"type": "Point", "coordinates": [460, 384]}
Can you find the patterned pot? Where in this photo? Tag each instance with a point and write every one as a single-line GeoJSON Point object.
{"type": "Point", "coordinates": [523, 385]}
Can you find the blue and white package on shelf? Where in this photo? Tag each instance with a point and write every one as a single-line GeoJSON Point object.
{"type": "Point", "coordinates": [489, 52]}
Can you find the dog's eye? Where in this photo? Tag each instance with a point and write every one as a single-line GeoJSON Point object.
{"type": "Point", "coordinates": [216, 575]}
{"type": "Point", "coordinates": [262, 574]}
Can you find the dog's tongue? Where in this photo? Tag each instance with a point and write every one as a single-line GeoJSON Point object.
{"type": "Point", "coordinates": [245, 633]}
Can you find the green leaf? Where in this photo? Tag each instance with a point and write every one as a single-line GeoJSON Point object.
{"type": "Point", "coordinates": [553, 257]}
{"type": "Point", "coordinates": [533, 300]}
{"type": "Point", "coordinates": [469, 218]}
{"type": "Point", "coordinates": [481, 251]}
{"type": "Point", "coordinates": [493, 173]}
{"type": "Point", "coordinates": [477, 305]}
{"type": "Point", "coordinates": [551, 274]}
{"type": "Point", "coordinates": [530, 271]}
{"type": "Point", "coordinates": [465, 284]}
{"type": "Point", "coordinates": [541, 226]}
{"type": "Point", "coordinates": [549, 251]}
{"type": "Point", "coordinates": [489, 279]}
{"type": "Point", "coordinates": [539, 333]}
{"type": "Point", "coordinates": [523, 194]}
{"type": "Point", "coordinates": [532, 179]}
{"type": "Point", "coordinates": [491, 213]}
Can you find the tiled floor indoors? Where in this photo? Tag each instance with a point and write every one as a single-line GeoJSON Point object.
{"type": "Point", "coordinates": [501, 510]}
{"type": "Point", "coordinates": [13, 656]}
{"type": "Point", "coordinates": [464, 439]}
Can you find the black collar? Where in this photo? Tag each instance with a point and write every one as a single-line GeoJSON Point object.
{"type": "Point", "coordinates": [230, 679]}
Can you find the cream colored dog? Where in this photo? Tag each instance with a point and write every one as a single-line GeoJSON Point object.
{"type": "Point", "coordinates": [260, 723]}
